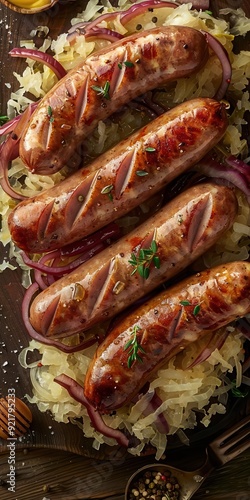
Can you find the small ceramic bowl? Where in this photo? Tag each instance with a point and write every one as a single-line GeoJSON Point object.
{"type": "Point", "coordinates": [154, 476]}
{"type": "Point", "coordinates": [46, 4]}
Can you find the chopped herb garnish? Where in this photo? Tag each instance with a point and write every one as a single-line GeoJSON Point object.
{"type": "Point", "coordinates": [146, 257]}
{"type": "Point", "coordinates": [134, 347]}
{"type": "Point", "coordinates": [50, 114]}
{"type": "Point", "coordinates": [209, 12]}
{"type": "Point", "coordinates": [128, 64]}
{"type": "Point", "coordinates": [150, 150]}
{"type": "Point", "coordinates": [103, 91]}
{"type": "Point", "coordinates": [107, 190]}
{"type": "Point", "coordinates": [239, 392]}
{"type": "Point", "coordinates": [141, 173]}
{"type": "Point", "coordinates": [196, 308]}
{"type": "Point", "coordinates": [3, 119]}
{"type": "Point", "coordinates": [185, 303]}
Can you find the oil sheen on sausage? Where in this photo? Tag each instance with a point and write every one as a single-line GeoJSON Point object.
{"type": "Point", "coordinates": [164, 326]}
{"type": "Point", "coordinates": [108, 283]}
{"type": "Point", "coordinates": [79, 206]}
{"type": "Point", "coordinates": [72, 108]}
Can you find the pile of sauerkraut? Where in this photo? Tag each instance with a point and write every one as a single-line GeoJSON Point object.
{"type": "Point", "coordinates": [188, 395]}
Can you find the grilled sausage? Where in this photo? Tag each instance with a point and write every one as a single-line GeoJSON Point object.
{"type": "Point", "coordinates": [108, 283]}
{"type": "Point", "coordinates": [70, 111]}
{"type": "Point", "coordinates": [163, 327]}
{"type": "Point", "coordinates": [128, 173]}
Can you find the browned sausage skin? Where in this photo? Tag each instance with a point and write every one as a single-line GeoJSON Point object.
{"type": "Point", "coordinates": [108, 283]}
{"type": "Point", "coordinates": [163, 327]}
{"type": "Point", "coordinates": [70, 111]}
{"type": "Point", "coordinates": [79, 206]}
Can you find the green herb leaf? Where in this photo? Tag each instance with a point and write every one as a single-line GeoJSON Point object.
{"type": "Point", "coordinates": [185, 303]}
{"type": "Point", "coordinates": [150, 150]}
{"type": "Point", "coordinates": [134, 347]}
{"type": "Point", "coordinates": [107, 190]}
{"type": "Point", "coordinates": [239, 392]}
{"type": "Point", "coordinates": [146, 257]}
{"type": "Point", "coordinates": [128, 64]}
{"type": "Point", "coordinates": [50, 114]}
{"type": "Point", "coordinates": [141, 173]}
{"type": "Point", "coordinates": [3, 119]}
{"type": "Point", "coordinates": [196, 309]}
{"type": "Point", "coordinates": [103, 91]}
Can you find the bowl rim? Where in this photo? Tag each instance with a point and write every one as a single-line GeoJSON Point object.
{"type": "Point", "coordinates": [32, 10]}
{"type": "Point", "coordinates": [161, 467]}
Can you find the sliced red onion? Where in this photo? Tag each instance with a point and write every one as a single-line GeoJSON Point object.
{"type": "Point", "coordinates": [222, 54]}
{"type": "Point", "coordinates": [94, 32]}
{"type": "Point", "coordinates": [10, 150]}
{"type": "Point", "coordinates": [139, 9]}
{"type": "Point", "coordinates": [10, 125]}
{"type": "Point", "coordinates": [75, 390]}
{"type": "Point", "coordinates": [38, 55]}
{"type": "Point", "coordinates": [40, 338]}
{"type": "Point", "coordinates": [235, 172]}
{"type": "Point", "coordinates": [126, 15]}
{"type": "Point", "coordinates": [61, 270]}
{"type": "Point", "coordinates": [215, 341]}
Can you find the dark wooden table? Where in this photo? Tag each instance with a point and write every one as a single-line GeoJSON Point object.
{"type": "Point", "coordinates": [52, 461]}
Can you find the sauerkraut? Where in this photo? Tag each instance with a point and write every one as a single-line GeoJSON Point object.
{"type": "Point", "coordinates": [190, 395]}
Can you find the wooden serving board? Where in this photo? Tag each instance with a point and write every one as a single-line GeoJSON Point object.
{"type": "Point", "coordinates": [44, 432]}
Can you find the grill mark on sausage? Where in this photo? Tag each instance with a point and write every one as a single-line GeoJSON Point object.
{"type": "Point", "coordinates": [199, 221]}
{"type": "Point", "coordinates": [124, 172]}
{"type": "Point", "coordinates": [78, 202]}
{"type": "Point", "coordinates": [118, 73]}
{"type": "Point", "coordinates": [44, 220]}
{"type": "Point", "coordinates": [101, 282]}
{"type": "Point", "coordinates": [82, 100]}
{"type": "Point", "coordinates": [50, 314]}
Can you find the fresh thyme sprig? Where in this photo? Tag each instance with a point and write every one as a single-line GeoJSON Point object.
{"type": "Point", "coordinates": [134, 347]}
{"type": "Point", "coordinates": [146, 257]}
{"type": "Point", "coordinates": [103, 91]}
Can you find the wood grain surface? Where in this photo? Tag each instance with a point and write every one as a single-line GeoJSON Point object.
{"type": "Point", "coordinates": [64, 466]}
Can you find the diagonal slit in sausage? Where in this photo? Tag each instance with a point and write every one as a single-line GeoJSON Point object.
{"type": "Point", "coordinates": [78, 206]}
{"type": "Point", "coordinates": [156, 57]}
{"type": "Point", "coordinates": [164, 326]}
{"type": "Point", "coordinates": [109, 282]}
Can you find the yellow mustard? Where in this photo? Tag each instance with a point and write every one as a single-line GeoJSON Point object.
{"type": "Point", "coordinates": [30, 4]}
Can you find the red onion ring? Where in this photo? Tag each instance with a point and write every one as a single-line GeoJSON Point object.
{"type": "Point", "coordinates": [37, 336]}
{"type": "Point", "coordinates": [139, 8]}
{"type": "Point", "coordinates": [9, 126]}
{"type": "Point", "coordinates": [236, 172]}
{"type": "Point", "coordinates": [37, 55]}
{"type": "Point", "coordinates": [215, 341]}
{"type": "Point", "coordinates": [10, 150]}
{"type": "Point", "coordinates": [94, 32]}
{"type": "Point", "coordinates": [61, 270]}
{"type": "Point", "coordinates": [222, 54]}
{"type": "Point", "coordinates": [75, 390]}
{"type": "Point", "coordinates": [130, 13]}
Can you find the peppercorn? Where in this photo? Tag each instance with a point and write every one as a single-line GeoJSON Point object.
{"type": "Point", "coordinates": [154, 485]}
